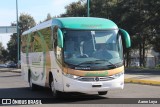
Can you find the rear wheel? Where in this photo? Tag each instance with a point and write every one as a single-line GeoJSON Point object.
{"type": "Point", "coordinates": [102, 92]}
{"type": "Point", "coordinates": [31, 85]}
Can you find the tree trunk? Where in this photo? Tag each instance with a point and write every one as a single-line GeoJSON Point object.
{"type": "Point", "coordinates": [143, 48]}
{"type": "Point", "coordinates": [140, 54]}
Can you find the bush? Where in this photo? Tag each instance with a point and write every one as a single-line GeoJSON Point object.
{"type": "Point", "coordinates": [158, 66]}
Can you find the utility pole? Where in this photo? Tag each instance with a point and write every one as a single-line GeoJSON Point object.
{"type": "Point", "coordinates": [88, 8]}
{"type": "Point", "coordinates": [17, 34]}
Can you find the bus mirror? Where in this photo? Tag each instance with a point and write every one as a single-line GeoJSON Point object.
{"type": "Point", "coordinates": [60, 38]}
{"type": "Point", "coordinates": [126, 38]}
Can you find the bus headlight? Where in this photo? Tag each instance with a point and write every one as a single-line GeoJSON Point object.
{"type": "Point", "coordinates": [71, 76]}
{"type": "Point", "coordinates": [117, 75]}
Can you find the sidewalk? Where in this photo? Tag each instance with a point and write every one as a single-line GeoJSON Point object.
{"type": "Point", "coordinates": [149, 77]}
{"type": "Point", "coordinates": [142, 76]}
{"type": "Point", "coordinates": [142, 79]}
{"type": "Point", "coordinates": [10, 70]}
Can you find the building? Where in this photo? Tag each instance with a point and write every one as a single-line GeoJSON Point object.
{"type": "Point", "coordinates": [152, 58]}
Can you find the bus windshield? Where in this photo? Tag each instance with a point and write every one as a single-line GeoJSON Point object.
{"type": "Point", "coordinates": [93, 49]}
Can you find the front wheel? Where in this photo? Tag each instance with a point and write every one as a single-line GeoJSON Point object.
{"type": "Point", "coordinates": [56, 94]}
{"type": "Point", "coordinates": [102, 92]}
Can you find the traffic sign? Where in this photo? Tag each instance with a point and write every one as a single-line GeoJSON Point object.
{"type": "Point", "coordinates": [8, 29]}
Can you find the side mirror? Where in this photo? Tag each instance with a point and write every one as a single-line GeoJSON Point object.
{"type": "Point", "coordinates": [60, 38]}
{"type": "Point", "coordinates": [126, 38]}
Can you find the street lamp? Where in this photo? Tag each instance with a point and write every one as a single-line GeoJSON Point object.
{"type": "Point", "coordinates": [17, 33]}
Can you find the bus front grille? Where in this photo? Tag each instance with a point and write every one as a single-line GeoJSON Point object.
{"type": "Point", "coordinates": [95, 78]}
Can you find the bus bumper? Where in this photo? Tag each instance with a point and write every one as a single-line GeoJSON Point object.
{"type": "Point", "coordinates": [73, 85]}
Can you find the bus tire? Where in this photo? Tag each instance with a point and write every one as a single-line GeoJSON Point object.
{"type": "Point", "coordinates": [32, 86]}
{"type": "Point", "coordinates": [102, 92]}
{"type": "Point", "coordinates": [55, 93]}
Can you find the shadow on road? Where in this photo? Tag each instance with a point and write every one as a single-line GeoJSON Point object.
{"type": "Point", "coordinates": [46, 96]}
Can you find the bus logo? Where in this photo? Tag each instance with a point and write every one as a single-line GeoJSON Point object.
{"type": "Point", "coordinates": [96, 79]}
{"type": "Point", "coordinates": [6, 101]}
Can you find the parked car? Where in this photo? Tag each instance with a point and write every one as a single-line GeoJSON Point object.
{"type": "Point", "coordinates": [11, 64]}
{"type": "Point", "coordinates": [2, 65]}
{"type": "Point", "coordinates": [135, 64]}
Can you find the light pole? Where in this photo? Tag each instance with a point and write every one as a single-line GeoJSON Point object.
{"type": "Point", "coordinates": [88, 8]}
{"type": "Point", "coordinates": [17, 34]}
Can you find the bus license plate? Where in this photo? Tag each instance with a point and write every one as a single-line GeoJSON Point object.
{"type": "Point", "coordinates": [98, 84]}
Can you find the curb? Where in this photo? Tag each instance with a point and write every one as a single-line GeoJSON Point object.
{"type": "Point", "coordinates": [146, 82]}
{"type": "Point", "coordinates": [14, 71]}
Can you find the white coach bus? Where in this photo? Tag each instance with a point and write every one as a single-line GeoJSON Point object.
{"type": "Point", "coordinates": [74, 54]}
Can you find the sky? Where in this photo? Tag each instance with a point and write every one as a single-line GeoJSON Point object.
{"type": "Point", "coordinates": [38, 9]}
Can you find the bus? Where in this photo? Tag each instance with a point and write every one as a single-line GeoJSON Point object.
{"type": "Point", "coordinates": [74, 54]}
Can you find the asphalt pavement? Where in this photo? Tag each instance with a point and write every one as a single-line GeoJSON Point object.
{"type": "Point", "coordinates": [12, 86]}
{"type": "Point", "coordinates": [139, 76]}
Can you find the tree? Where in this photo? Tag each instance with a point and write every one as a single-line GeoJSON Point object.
{"type": "Point", "coordinates": [98, 8]}
{"type": "Point", "coordinates": [48, 17]}
{"type": "Point", "coordinates": [140, 19]}
{"type": "Point", "coordinates": [3, 54]}
{"type": "Point", "coordinates": [1, 48]}
{"type": "Point", "coordinates": [153, 22]}
{"type": "Point", "coordinates": [12, 48]}
{"type": "Point", "coordinates": [75, 9]}
{"type": "Point", "coordinates": [25, 22]}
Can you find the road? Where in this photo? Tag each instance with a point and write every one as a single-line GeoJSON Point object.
{"type": "Point", "coordinates": [12, 85]}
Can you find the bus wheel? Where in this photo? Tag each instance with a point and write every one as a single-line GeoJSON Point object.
{"type": "Point", "coordinates": [31, 85]}
{"type": "Point", "coordinates": [56, 94]}
{"type": "Point", "coordinates": [102, 92]}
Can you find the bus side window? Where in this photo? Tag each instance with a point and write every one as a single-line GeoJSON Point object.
{"type": "Point", "coordinates": [55, 38]}
{"type": "Point", "coordinates": [57, 50]}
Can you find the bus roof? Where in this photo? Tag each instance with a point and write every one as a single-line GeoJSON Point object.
{"type": "Point", "coordinates": [85, 23]}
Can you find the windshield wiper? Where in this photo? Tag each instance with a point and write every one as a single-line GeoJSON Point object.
{"type": "Point", "coordinates": [88, 62]}
{"type": "Point", "coordinates": [108, 62]}
{"type": "Point", "coordinates": [95, 62]}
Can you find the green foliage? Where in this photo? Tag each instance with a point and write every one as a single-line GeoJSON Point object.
{"type": "Point", "coordinates": [26, 21]}
{"type": "Point", "coordinates": [158, 66]}
{"type": "Point", "coordinates": [12, 48]}
{"type": "Point", "coordinates": [48, 17]}
{"type": "Point", "coordinates": [1, 48]}
{"type": "Point", "coordinates": [75, 9]}
{"type": "Point", "coordinates": [3, 54]}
